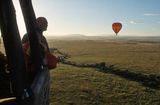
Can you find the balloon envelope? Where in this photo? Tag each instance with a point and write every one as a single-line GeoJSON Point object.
{"type": "Point", "coordinates": [116, 27]}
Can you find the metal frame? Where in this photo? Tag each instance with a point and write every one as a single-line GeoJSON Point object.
{"type": "Point", "coordinates": [14, 52]}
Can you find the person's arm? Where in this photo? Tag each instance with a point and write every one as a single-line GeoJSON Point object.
{"type": "Point", "coordinates": [45, 43]}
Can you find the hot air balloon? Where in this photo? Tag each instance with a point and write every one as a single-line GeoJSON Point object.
{"type": "Point", "coordinates": [116, 27]}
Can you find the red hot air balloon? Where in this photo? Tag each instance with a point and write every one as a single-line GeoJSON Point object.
{"type": "Point", "coordinates": [116, 27]}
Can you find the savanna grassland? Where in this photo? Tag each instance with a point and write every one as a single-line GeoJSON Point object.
{"type": "Point", "coordinates": [72, 85]}
{"type": "Point", "coordinates": [140, 57]}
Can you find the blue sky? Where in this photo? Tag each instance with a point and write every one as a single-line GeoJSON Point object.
{"type": "Point", "coordinates": [95, 17]}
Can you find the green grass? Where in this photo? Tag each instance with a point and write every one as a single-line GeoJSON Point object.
{"type": "Point", "coordinates": [87, 86]}
{"type": "Point", "coordinates": [139, 57]}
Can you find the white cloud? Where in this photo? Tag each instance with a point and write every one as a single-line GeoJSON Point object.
{"type": "Point", "coordinates": [152, 14]}
{"type": "Point", "coordinates": [136, 22]}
